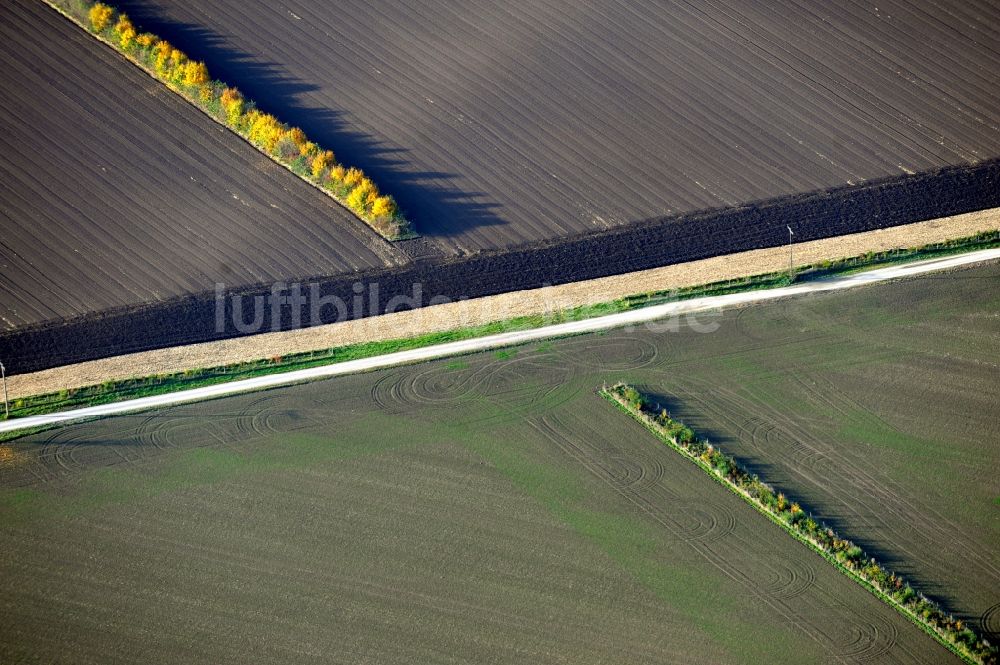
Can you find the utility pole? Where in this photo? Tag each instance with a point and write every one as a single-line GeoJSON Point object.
{"type": "Point", "coordinates": [6, 405]}
{"type": "Point", "coordinates": [791, 265]}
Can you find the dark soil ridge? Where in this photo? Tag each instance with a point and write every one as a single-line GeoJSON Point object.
{"type": "Point", "coordinates": [641, 245]}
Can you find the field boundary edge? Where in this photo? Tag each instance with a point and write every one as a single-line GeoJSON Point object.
{"type": "Point", "coordinates": [378, 355]}
{"type": "Point", "coordinates": [60, 379]}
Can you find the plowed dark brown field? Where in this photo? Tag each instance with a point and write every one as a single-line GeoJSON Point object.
{"type": "Point", "coordinates": [534, 144]}
{"type": "Point", "coordinates": [497, 125]}
{"type": "Point", "coordinates": [117, 193]}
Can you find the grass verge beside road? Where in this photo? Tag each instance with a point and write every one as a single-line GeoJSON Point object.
{"type": "Point", "coordinates": [113, 391]}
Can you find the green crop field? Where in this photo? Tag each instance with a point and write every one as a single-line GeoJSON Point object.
{"type": "Point", "coordinates": [493, 508]}
{"type": "Point", "coordinates": [879, 409]}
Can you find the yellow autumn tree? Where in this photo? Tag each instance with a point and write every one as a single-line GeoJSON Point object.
{"type": "Point", "coordinates": [308, 148]}
{"type": "Point", "coordinates": [296, 136]}
{"type": "Point", "coordinates": [369, 188]}
{"type": "Point", "coordinates": [233, 104]}
{"type": "Point", "coordinates": [360, 197]}
{"type": "Point", "coordinates": [100, 16]}
{"type": "Point", "coordinates": [162, 51]}
{"type": "Point", "coordinates": [265, 130]}
{"type": "Point", "coordinates": [337, 174]}
{"type": "Point", "coordinates": [356, 200]}
{"type": "Point", "coordinates": [353, 177]}
{"type": "Point", "coordinates": [146, 39]}
{"type": "Point", "coordinates": [383, 206]}
{"type": "Point", "coordinates": [250, 119]}
{"type": "Point", "coordinates": [176, 65]}
{"type": "Point", "coordinates": [126, 32]}
{"type": "Point", "coordinates": [321, 162]}
{"type": "Point", "coordinates": [195, 73]}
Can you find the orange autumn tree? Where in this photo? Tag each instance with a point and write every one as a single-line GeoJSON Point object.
{"type": "Point", "coordinates": [299, 144]}
{"type": "Point", "coordinates": [297, 136]}
{"type": "Point", "coordinates": [233, 104]}
{"type": "Point", "coordinates": [294, 144]}
{"type": "Point", "coordinates": [307, 148]}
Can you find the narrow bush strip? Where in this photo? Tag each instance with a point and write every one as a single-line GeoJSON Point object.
{"type": "Point", "coordinates": [289, 146]}
{"type": "Point", "coordinates": [842, 553]}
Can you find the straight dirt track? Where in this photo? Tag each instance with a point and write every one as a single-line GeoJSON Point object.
{"type": "Point", "coordinates": [660, 314]}
{"type": "Point", "coordinates": [496, 509]}
{"type": "Point", "coordinates": [444, 317]}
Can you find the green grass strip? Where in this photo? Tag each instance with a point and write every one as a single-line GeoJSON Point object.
{"type": "Point", "coordinates": [843, 554]}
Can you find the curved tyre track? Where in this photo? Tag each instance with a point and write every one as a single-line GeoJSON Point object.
{"type": "Point", "coordinates": [619, 353]}
{"type": "Point", "coordinates": [871, 642]}
{"type": "Point", "coordinates": [876, 505]}
{"type": "Point", "coordinates": [990, 623]}
{"type": "Point", "coordinates": [788, 579]}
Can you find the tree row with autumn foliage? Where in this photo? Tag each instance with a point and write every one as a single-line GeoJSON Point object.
{"type": "Point", "coordinates": [288, 145]}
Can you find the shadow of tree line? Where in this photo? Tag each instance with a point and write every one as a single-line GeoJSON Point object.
{"type": "Point", "coordinates": [434, 208]}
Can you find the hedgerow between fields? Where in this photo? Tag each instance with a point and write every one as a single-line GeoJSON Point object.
{"type": "Point", "coordinates": [843, 553]}
{"type": "Point", "coordinates": [287, 145]}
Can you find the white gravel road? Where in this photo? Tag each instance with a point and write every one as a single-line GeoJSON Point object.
{"type": "Point", "coordinates": [634, 317]}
